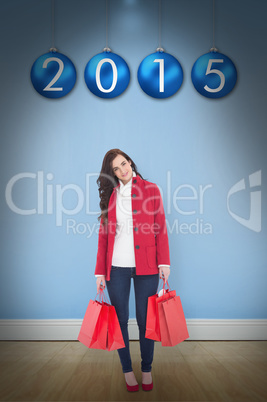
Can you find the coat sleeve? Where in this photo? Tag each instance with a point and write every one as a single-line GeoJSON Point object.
{"type": "Point", "coordinates": [161, 235]}
{"type": "Point", "coordinates": [101, 268]}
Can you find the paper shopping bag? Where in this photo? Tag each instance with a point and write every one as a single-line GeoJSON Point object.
{"type": "Point", "coordinates": [89, 322]}
{"type": "Point", "coordinates": [152, 318]}
{"type": "Point", "coordinates": [172, 322]}
{"type": "Point", "coordinates": [100, 335]}
{"type": "Point", "coordinates": [115, 339]}
{"type": "Point", "coordinates": [152, 322]}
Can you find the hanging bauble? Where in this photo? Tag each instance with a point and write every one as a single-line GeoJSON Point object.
{"type": "Point", "coordinates": [214, 75]}
{"type": "Point", "coordinates": [107, 75]}
{"type": "Point", "coordinates": [53, 74]}
{"type": "Point", "coordinates": [160, 75]}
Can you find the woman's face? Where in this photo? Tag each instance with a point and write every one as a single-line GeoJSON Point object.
{"type": "Point", "coordinates": [122, 169]}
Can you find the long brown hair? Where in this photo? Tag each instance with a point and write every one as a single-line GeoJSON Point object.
{"type": "Point", "coordinates": [107, 180]}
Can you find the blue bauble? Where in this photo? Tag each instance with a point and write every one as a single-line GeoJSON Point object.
{"type": "Point", "coordinates": [214, 75]}
{"type": "Point", "coordinates": [160, 75]}
{"type": "Point", "coordinates": [107, 75]}
{"type": "Point", "coordinates": [53, 75]}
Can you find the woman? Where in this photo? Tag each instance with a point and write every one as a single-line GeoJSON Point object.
{"type": "Point", "coordinates": [132, 243]}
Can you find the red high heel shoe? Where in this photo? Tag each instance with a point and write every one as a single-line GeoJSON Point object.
{"type": "Point", "coordinates": [132, 388]}
{"type": "Point", "coordinates": [147, 387]}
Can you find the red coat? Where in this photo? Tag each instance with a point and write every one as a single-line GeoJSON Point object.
{"type": "Point", "coordinates": [151, 245]}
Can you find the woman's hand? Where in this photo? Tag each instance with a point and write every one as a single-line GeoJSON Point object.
{"type": "Point", "coordinates": [164, 273]}
{"type": "Point", "coordinates": [100, 283]}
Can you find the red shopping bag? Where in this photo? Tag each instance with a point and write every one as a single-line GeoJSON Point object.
{"type": "Point", "coordinates": [115, 339]}
{"type": "Point", "coordinates": [152, 322]}
{"type": "Point", "coordinates": [152, 318]}
{"type": "Point", "coordinates": [100, 335]}
{"type": "Point", "coordinates": [173, 326]}
{"type": "Point", "coordinates": [89, 322]}
{"type": "Point", "coordinates": [100, 327]}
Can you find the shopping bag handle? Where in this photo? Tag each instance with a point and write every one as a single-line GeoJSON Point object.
{"type": "Point", "coordinates": [101, 296]}
{"type": "Point", "coordinates": [164, 285]}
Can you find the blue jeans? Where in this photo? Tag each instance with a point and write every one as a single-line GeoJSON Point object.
{"type": "Point", "coordinates": [119, 292]}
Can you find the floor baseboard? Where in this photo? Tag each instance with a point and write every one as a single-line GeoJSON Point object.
{"type": "Point", "coordinates": [199, 329]}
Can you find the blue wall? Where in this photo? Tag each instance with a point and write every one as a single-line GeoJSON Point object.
{"type": "Point", "coordinates": [218, 263]}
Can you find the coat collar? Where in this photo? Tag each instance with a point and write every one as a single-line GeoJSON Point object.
{"type": "Point", "coordinates": [135, 177]}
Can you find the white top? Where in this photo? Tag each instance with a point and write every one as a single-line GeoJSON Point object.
{"type": "Point", "coordinates": [123, 252]}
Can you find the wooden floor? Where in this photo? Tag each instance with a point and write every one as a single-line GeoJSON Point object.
{"type": "Point", "coordinates": [190, 371]}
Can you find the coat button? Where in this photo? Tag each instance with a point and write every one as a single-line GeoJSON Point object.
{"type": "Point", "coordinates": [135, 181]}
{"type": "Point", "coordinates": [137, 247]}
{"type": "Point", "coordinates": [134, 195]}
{"type": "Point", "coordinates": [135, 229]}
{"type": "Point", "coordinates": [135, 211]}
